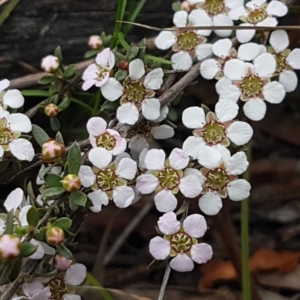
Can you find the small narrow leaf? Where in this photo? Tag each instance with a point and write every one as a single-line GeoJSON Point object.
{"type": "Point", "coordinates": [47, 80]}
{"type": "Point", "coordinates": [64, 103]}
{"type": "Point", "coordinates": [64, 251]}
{"type": "Point", "coordinates": [59, 138]}
{"type": "Point", "coordinates": [9, 226]}
{"type": "Point", "coordinates": [55, 124]}
{"type": "Point", "coordinates": [27, 249]}
{"type": "Point", "coordinates": [63, 223]}
{"type": "Point", "coordinates": [133, 52]}
{"type": "Point", "coordinates": [121, 75]}
{"type": "Point", "coordinates": [158, 59]}
{"type": "Point", "coordinates": [34, 215]}
{"type": "Point", "coordinates": [53, 180]}
{"type": "Point", "coordinates": [39, 134]}
{"type": "Point", "coordinates": [74, 159]}
{"type": "Point", "coordinates": [58, 54]}
{"type": "Point", "coordinates": [70, 71]}
{"type": "Point", "coordinates": [78, 198]}
{"type": "Point", "coordinates": [91, 53]}
{"type": "Point", "coordinates": [53, 192]}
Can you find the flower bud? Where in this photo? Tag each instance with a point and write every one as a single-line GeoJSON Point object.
{"type": "Point", "coordinates": [123, 65]}
{"type": "Point", "coordinates": [52, 151]}
{"type": "Point", "coordinates": [61, 263]}
{"type": "Point", "coordinates": [71, 183]}
{"type": "Point", "coordinates": [95, 42]}
{"type": "Point", "coordinates": [185, 5]}
{"type": "Point", "coordinates": [50, 64]}
{"type": "Point", "coordinates": [55, 236]}
{"type": "Point", "coordinates": [51, 110]}
{"type": "Point", "coordinates": [10, 246]}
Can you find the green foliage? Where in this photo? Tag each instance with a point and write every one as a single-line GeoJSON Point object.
{"type": "Point", "coordinates": [53, 180]}
{"type": "Point", "coordinates": [47, 79]}
{"type": "Point", "coordinates": [132, 53]}
{"type": "Point", "coordinates": [39, 134]}
{"type": "Point", "coordinates": [91, 53]}
{"type": "Point", "coordinates": [70, 71]}
{"type": "Point", "coordinates": [55, 124]}
{"type": "Point", "coordinates": [58, 54]}
{"type": "Point", "coordinates": [63, 223]}
{"type": "Point", "coordinates": [121, 75]}
{"type": "Point", "coordinates": [4, 165]}
{"type": "Point", "coordinates": [64, 104]}
{"type": "Point", "coordinates": [64, 251]}
{"type": "Point", "coordinates": [74, 159]}
{"type": "Point", "coordinates": [53, 192]}
{"type": "Point", "coordinates": [27, 249]}
{"type": "Point", "coordinates": [78, 198]}
{"type": "Point", "coordinates": [119, 17]}
{"type": "Point", "coordinates": [9, 226]}
{"type": "Point", "coordinates": [34, 215]}
{"type": "Point", "coordinates": [158, 59]}
{"type": "Point", "coordinates": [59, 138]}
{"type": "Point", "coordinates": [176, 6]}
{"type": "Point", "coordinates": [35, 93]}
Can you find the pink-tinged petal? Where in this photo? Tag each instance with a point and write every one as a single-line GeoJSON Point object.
{"type": "Point", "coordinates": [222, 83]}
{"type": "Point", "coordinates": [127, 168]}
{"type": "Point", "coordinates": [237, 12]}
{"type": "Point", "coordinates": [75, 274]}
{"type": "Point", "coordinates": [13, 99]}
{"type": "Point", "coordinates": [235, 69]}
{"type": "Point", "coordinates": [193, 117]}
{"type": "Point", "coordinates": [238, 189]}
{"type": "Point", "coordinates": [192, 145]}
{"type": "Point", "coordinates": [151, 108]}
{"type": "Point", "coordinates": [21, 149]}
{"type": "Point", "coordinates": [105, 58]}
{"type": "Point", "coordinates": [146, 183]}
{"type": "Point", "coordinates": [100, 157]}
{"type": "Point", "coordinates": [265, 65]}
{"type": "Point", "coordinates": [154, 79]}
{"type": "Point", "coordinates": [181, 61]}
{"type": "Point", "coordinates": [226, 110]}
{"type": "Point", "coordinates": [180, 18]}
{"type": "Point", "coordinates": [274, 92]}
{"type": "Point", "coordinates": [255, 109]}
{"type": "Point", "coordinates": [127, 113]}
{"type": "Point", "coordinates": [90, 73]}
{"type": "Point", "coordinates": [178, 159]}
{"type": "Point", "coordinates": [123, 196]}
{"type": "Point", "coordinates": [209, 157]}
{"type": "Point", "coordinates": [203, 51]}
{"type": "Point", "coordinates": [277, 8]}
{"type": "Point", "coordinates": [230, 93]}
{"type": "Point", "coordinates": [155, 159]}
{"type": "Point", "coordinates": [289, 80]}
{"type": "Point", "coordinates": [159, 248]}
{"type": "Point", "coordinates": [88, 84]}
{"type": "Point", "coordinates": [165, 40]}
{"type": "Point", "coordinates": [98, 199]}
{"type": "Point", "coordinates": [32, 288]}
{"type": "Point", "coordinates": [168, 223]}
{"type": "Point", "coordinates": [237, 164]}
{"type": "Point", "coordinates": [209, 68]}
{"type": "Point", "coordinates": [248, 51]}
{"type": "Point", "coordinates": [293, 59]}
{"type": "Point", "coordinates": [210, 203]}
{"type": "Point", "coordinates": [201, 253]}
{"type": "Point", "coordinates": [96, 126]}
{"type": "Point", "coordinates": [162, 132]}
{"type": "Point", "coordinates": [195, 225]}
{"type": "Point", "coordinates": [4, 84]}
{"type": "Point", "coordinates": [279, 40]}
{"type": "Point", "coordinates": [222, 20]}
{"type": "Point", "coordinates": [165, 201]}
{"type": "Point", "coordinates": [197, 173]}
{"type": "Point", "coordinates": [239, 133]}
{"type": "Point", "coordinates": [86, 176]}
{"type": "Point", "coordinates": [182, 263]}
{"type": "Point", "coordinates": [233, 3]}
{"type": "Point", "coordinates": [19, 122]}
{"type": "Point", "coordinates": [14, 200]}
{"type": "Point", "coordinates": [136, 69]}
{"type": "Point", "coordinates": [112, 89]}
{"type": "Point", "coordinates": [190, 186]}
{"type": "Point", "coordinates": [222, 47]}
{"type": "Point", "coordinates": [245, 35]}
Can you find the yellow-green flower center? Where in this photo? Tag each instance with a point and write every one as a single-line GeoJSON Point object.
{"type": "Point", "coordinates": [57, 288]}
{"type": "Point", "coordinates": [214, 7]}
{"type": "Point", "coordinates": [169, 178]}
{"type": "Point", "coordinates": [6, 136]}
{"type": "Point", "coordinates": [214, 132]}
{"type": "Point", "coordinates": [257, 15]}
{"type": "Point", "coordinates": [251, 86]}
{"type": "Point", "coordinates": [181, 242]}
{"type": "Point", "coordinates": [106, 140]}
{"type": "Point", "coordinates": [216, 179]}
{"type": "Point", "coordinates": [135, 91]}
{"type": "Point", "coordinates": [281, 63]}
{"type": "Point", "coordinates": [187, 41]}
{"type": "Point", "coordinates": [107, 179]}
{"type": "Point", "coordinates": [103, 71]}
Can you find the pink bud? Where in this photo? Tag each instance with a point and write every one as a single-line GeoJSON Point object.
{"type": "Point", "coordinates": [52, 151]}
{"type": "Point", "coordinates": [185, 5]}
{"type": "Point", "coordinates": [61, 263]}
{"type": "Point", "coordinates": [10, 246]}
{"type": "Point", "coordinates": [51, 110]}
{"type": "Point", "coordinates": [50, 64]}
{"type": "Point", "coordinates": [95, 42]}
{"type": "Point", "coordinates": [55, 236]}
{"type": "Point", "coordinates": [71, 183]}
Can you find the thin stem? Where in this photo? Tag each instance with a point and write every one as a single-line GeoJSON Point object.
{"type": "Point", "coordinates": [164, 283]}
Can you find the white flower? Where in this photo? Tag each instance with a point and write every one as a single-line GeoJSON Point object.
{"type": "Point", "coordinates": [35, 290]}
{"type": "Point", "coordinates": [137, 93]}
{"type": "Point", "coordinates": [180, 242]}
{"type": "Point", "coordinates": [10, 98]}
{"type": "Point", "coordinates": [167, 178]}
{"type": "Point", "coordinates": [220, 172]}
{"type": "Point", "coordinates": [98, 73]}
{"type": "Point", "coordinates": [108, 179]}
{"type": "Point", "coordinates": [214, 128]}
{"type": "Point", "coordinates": [102, 137]}
{"type": "Point", "coordinates": [213, 67]}
{"type": "Point", "coordinates": [52, 170]}
{"type": "Point", "coordinates": [11, 127]}
{"type": "Point", "coordinates": [257, 13]}
{"type": "Point", "coordinates": [188, 44]}
{"type": "Point", "coordinates": [286, 59]}
{"type": "Point", "coordinates": [50, 64]}
{"type": "Point", "coordinates": [251, 83]}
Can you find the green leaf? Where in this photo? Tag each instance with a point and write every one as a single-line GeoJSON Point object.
{"type": "Point", "coordinates": [133, 52]}
{"type": "Point", "coordinates": [64, 251]}
{"type": "Point", "coordinates": [59, 138]}
{"type": "Point", "coordinates": [58, 54]}
{"type": "Point", "coordinates": [74, 159]}
{"type": "Point", "coordinates": [53, 99]}
{"type": "Point", "coordinates": [53, 192]}
{"type": "Point", "coordinates": [72, 206]}
{"type": "Point", "coordinates": [91, 53]}
{"type": "Point", "coordinates": [16, 269]}
{"type": "Point", "coordinates": [121, 75]}
{"type": "Point", "coordinates": [4, 165]}
{"type": "Point", "coordinates": [39, 134]}
{"type": "Point", "coordinates": [110, 105]}
{"type": "Point", "coordinates": [21, 231]}
{"type": "Point", "coordinates": [176, 6]}
{"type": "Point", "coordinates": [34, 215]}
{"type": "Point", "coordinates": [158, 59]}
{"type": "Point", "coordinates": [55, 87]}
{"type": "Point", "coordinates": [119, 17]}
{"type": "Point", "coordinates": [123, 42]}
{"type": "Point", "coordinates": [119, 56]}
{"type": "Point", "coordinates": [47, 79]}
{"type": "Point", "coordinates": [53, 180]}
{"type": "Point", "coordinates": [64, 103]}
{"type": "Point", "coordinates": [30, 193]}
{"type": "Point", "coordinates": [9, 226]}
{"type": "Point", "coordinates": [39, 234]}
{"type": "Point", "coordinates": [78, 198]}
{"type": "Point", "coordinates": [55, 124]}
{"type": "Point", "coordinates": [133, 14]}
{"type": "Point", "coordinates": [63, 223]}
{"type": "Point", "coordinates": [27, 249]}
{"type": "Point", "coordinates": [70, 71]}
{"type": "Point", "coordinates": [35, 93]}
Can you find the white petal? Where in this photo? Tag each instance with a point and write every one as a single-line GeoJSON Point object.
{"type": "Point", "coordinates": [279, 40]}
{"type": "Point", "coordinates": [274, 92]}
{"type": "Point", "coordinates": [193, 117]}
{"type": "Point", "coordinates": [293, 59]}
{"type": "Point", "coordinates": [195, 225]}
{"type": "Point", "coordinates": [238, 189]}
{"type": "Point", "coordinates": [159, 248]}
{"type": "Point", "coordinates": [146, 183]}
{"type": "Point", "coordinates": [234, 3]}
{"type": "Point", "coordinates": [244, 36]}
{"type": "Point", "coordinates": [13, 99]}
{"type": "Point", "coordinates": [155, 159]}
{"type": "Point", "coordinates": [165, 40]}
{"type": "Point", "coordinates": [75, 274]}
{"type": "Point", "coordinates": [190, 186]}
{"type": "Point", "coordinates": [1, 152]}
{"type": "Point", "coordinates": [235, 69]}
{"type": "Point", "coordinates": [237, 164]}
{"type": "Point", "coordinates": [197, 173]}
{"type": "Point", "coordinates": [239, 133]}
{"type": "Point", "coordinates": [223, 82]}
{"type": "Point", "coordinates": [96, 126]}
{"type": "Point", "coordinates": [100, 157]}
{"type": "Point", "coordinates": [269, 21]}
{"type": "Point", "coordinates": [168, 223]}
{"type": "Point", "coordinates": [226, 110]}
{"type": "Point", "coordinates": [163, 114]}
{"type": "Point", "coordinates": [22, 149]}
{"type": "Point", "coordinates": [70, 297]}
{"type": "Point", "coordinates": [162, 132]}
{"type": "Point", "coordinates": [209, 68]}
{"type": "Point", "coordinates": [225, 153]}
{"type": "Point", "coordinates": [32, 288]}
{"type": "Point", "coordinates": [229, 93]}
{"type": "Point", "coordinates": [19, 122]}
{"type": "Point", "coordinates": [209, 157]}
{"type": "Point", "coordinates": [265, 65]}
{"type": "Point", "coordinates": [123, 196]}
{"type": "Point", "coordinates": [138, 143]}
{"type": "Point", "coordinates": [203, 51]}
{"type": "Point", "coordinates": [248, 51]}
{"type": "Point", "coordinates": [4, 84]}
{"type": "Point", "coordinates": [13, 200]}
{"type": "Point", "coordinates": [289, 80]}
{"type": "Point", "coordinates": [181, 61]}
{"type": "Point", "coordinates": [237, 12]}
{"type": "Point", "coordinates": [255, 3]}
{"type": "Point", "coordinates": [165, 201]}
{"type": "Point", "coordinates": [136, 69]}
{"type": "Point", "coordinates": [88, 84]}
{"type": "Point", "coordinates": [222, 47]}
{"type": "Point", "coordinates": [98, 199]}
{"type": "Point", "coordinates": [182, 263]}
{"type": "Point", "coordinates": [23, 215]}
{"type": "Point", "coordinates": [210, 203]}
{"type": "Point", "coordinates": [192, 145]}
{"type": "Point", "coordinates": [201, 253]}
{"type": "Point", "coordinates": [277, 8]}
{"type": "Point", "coordinates": [180, 18]}
{"type": "Point", "coordinates": [154, 79]}
{"type": "Point", "coordinates": [86, 176]}
{"type": "Point", "coordinates": [178, 159]}
{"type": "Point", "coordinates": [255, 109]}
{"type": "Point", "coordinates": [199, 17]}
{"type": "Point", "coordinates": [222, 20]}
{"type": "Point", "coordinates": [112, 89]}
{"type": "Point", "coordinates": [41, 250]}
{"type": "Point", "coordinates": [127, 113]}
{"type": "Point", "coordinates": [151, 108]}
{"type": "Point", "coordinates": [127, 168]}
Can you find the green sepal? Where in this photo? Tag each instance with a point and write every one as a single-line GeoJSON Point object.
{"type": "Point", "coordinates": [78, 198]}
{"type": "Point", "coordinates": [53, 180]}
{"type": "Point", "coordinates": [74, 159]}
{"type": "Point", "coordinates": [64, 251]}
{"type": "Point", "coordinates": [27, 249]}
{"type": "Point", "coordinates": [39, 134]}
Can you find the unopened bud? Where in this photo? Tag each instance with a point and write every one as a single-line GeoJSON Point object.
{"type": "Point", "coordinates": [185, 5]}
{"type": "Point", "coordinates": [95, 42]}
{"type": "Point", "coordinates": [50, 64]}
{"type": "Point", "coordinates": [71, 183]}
{"type": "Point", "coordinates": [123, 65]}
{"type": "Point", "coordinates": [55, 236]}
{"type": "Point", "coordinates": [52, 151]}
{"type": "Point", "coordinates": [61, 263]}
{"type": "Point", "coordinates": [10, 246]}
{"type": "Point", "coordinates": [51, 110]}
